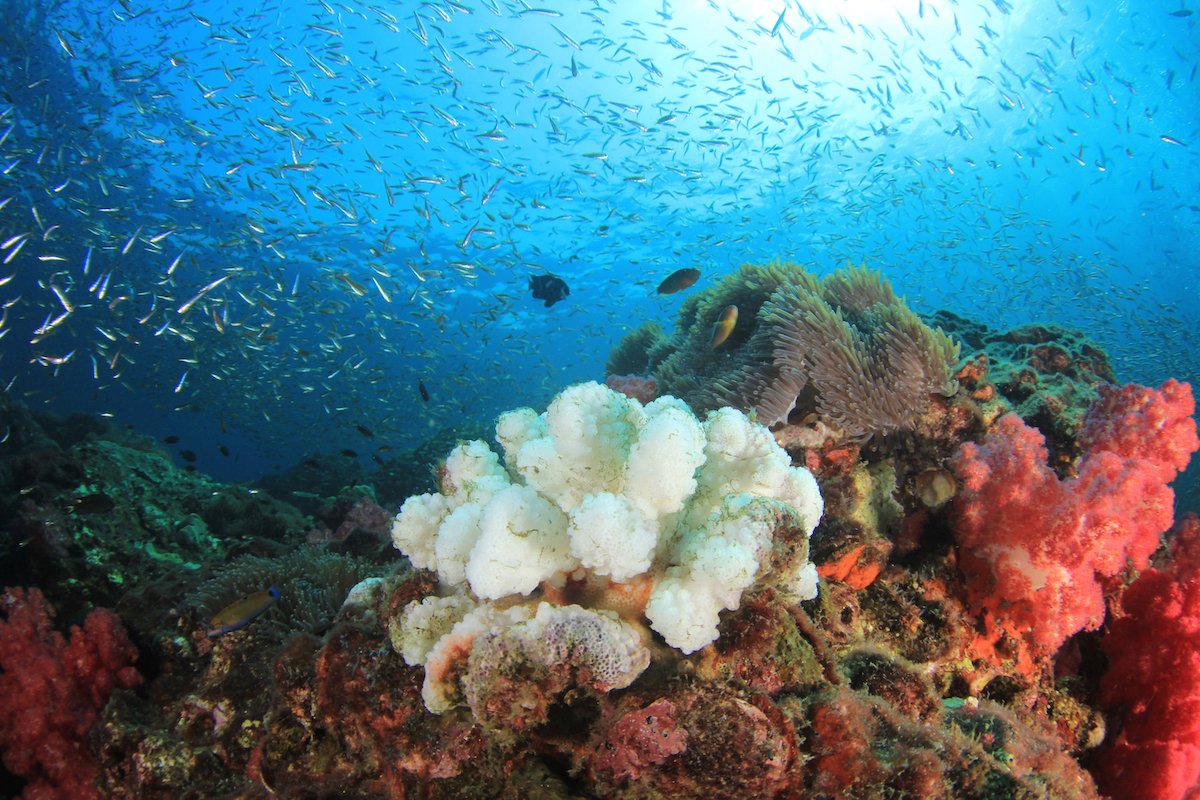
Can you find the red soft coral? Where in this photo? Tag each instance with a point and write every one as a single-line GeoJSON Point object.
{"type": "Point", "coordinates": [1154, 675]}
{"type": "Point", "coordinates": [1035, 548]}
{"type": "Point", "coordinates": [53, 692]}
{"type": "Point", "coordinates": [1138, 422]}
{"type": "Point", "coordinates": [634, 386]}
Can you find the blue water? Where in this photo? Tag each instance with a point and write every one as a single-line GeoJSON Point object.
{"type": "Point", "coordinates": [376, 183]}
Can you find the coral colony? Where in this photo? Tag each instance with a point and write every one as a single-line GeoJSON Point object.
{"type": "Point", "coordinates": [938, 575]}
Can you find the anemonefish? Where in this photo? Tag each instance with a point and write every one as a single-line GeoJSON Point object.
{"type": "Point", "coordinates": [678, 280]}
{"type": "Point", "coordinates": [242, 612]}
{"type": "Point", "coordinates": [724, 326]}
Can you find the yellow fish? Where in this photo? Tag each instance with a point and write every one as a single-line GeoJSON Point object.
{"type": "Point", "coordinates": [724, 327]}
{"type": "Point", "coordinates": [242, 612]}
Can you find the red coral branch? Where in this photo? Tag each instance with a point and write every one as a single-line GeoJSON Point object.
{"type": "Point", "coordinates": [1154, 676]}
{"type": "Point", "coordinates": [53, 690]}
{"type": "Point", "coordinates": [1036, 549]}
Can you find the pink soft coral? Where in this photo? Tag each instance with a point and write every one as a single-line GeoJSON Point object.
{"type": "Point", "coordinates": [1151, 425]}
{"type": "Point", "coordinates": [1154, 651]}
{"type": "Point", "coordinates": [53, 691]}
{"type": "Point", "coordinates": [1035, 548]}
{"type": "Point", "coordinates": [633, 386]}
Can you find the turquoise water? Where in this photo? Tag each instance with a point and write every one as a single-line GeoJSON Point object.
{"type": "Point", "coordinates": [264, 229]}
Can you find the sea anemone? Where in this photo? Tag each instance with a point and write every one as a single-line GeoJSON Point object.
{"type": "Point", "coordinates": [844, 347]}
{"type": "Point", "coordinates": [313, 584]}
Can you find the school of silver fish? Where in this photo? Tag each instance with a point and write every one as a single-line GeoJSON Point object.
{"type": "Point", "coordinates": [296, 213]}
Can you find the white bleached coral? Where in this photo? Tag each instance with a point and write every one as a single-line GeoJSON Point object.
{"type": "Point", "coordinates": [601, 490]}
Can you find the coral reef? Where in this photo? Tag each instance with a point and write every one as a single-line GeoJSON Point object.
{"type": "Point", "coordinates": [54, 688]}
{"type": "Point", "coordinates": [106, 510]}
{"type": "Point", "coordinates": [845, 347]}
{"type": "Point", "coordinates": [1154, 679]}
{"type": "Point", "coordinates": [638, 509]}
{"type": "Point", "coordinates": [907, 674]}
{"type": "Point", "coordinates": [313, 584]}
{"type": "Point", "coordinates": [354, 509]}
{"type": "Point", "coordinates": [1047, 374]}
{"type": "Point", "coordinates": [1037, 549]}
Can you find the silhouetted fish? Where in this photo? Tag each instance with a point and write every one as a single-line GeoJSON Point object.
{"type": "Point", "coordinates": [92, 504]}
{"type": "Point", "coordinates": [678, 280]}
{"type": "Point", "coordinates": [548, 287]}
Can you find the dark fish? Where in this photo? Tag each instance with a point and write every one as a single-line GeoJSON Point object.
{"type": "Point", "coordinates": [312, 462]}
{"type": "Point", "coordinates": [242, 612]}
{"type": "Point", "coordinates": [92, 504]}
{"type": "Point", "coordinates": [224, 450]}
{"type": "Point", "coordinates": [724, 326]}
{"type": "Point", "coordinates": [1183, 12]}
{"type": "Point", "coordinates": [349, 454]}
{"type": "Point", "coordinates": [548, 287]}
{"type": "Point", "coordinates": [170, 440]}
{"type": "Point", "coordinates": [424, 392]}
{"type": "Point", "coordinates": [678, 280]}
{"type": "Point", "coordinates": [365, 431]}
{"type": "Point", "coordinates": [187, 455]}
{"type": "Point", "coordinates": [377, 459]}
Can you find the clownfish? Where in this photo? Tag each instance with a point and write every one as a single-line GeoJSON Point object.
{"type": "Point", "coordinates": [241, 613]}
{"type": "Point", "coordinates": [724, 326]}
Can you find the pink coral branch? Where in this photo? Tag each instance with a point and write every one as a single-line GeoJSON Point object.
{"type": "Point", "coordinates": [1035, 548]}
{"type": "Point", "coordinates": [1154, 677]}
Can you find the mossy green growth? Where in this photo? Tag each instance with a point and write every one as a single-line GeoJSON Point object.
{"type": "Point", "coordinates": [157, 521]}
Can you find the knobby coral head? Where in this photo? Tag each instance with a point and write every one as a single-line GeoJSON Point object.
{"type": "Point", "coordinates": [643, 513]}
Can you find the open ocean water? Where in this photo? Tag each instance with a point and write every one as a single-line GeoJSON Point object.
{"type": "Point", "coordinates": [264, 227]}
